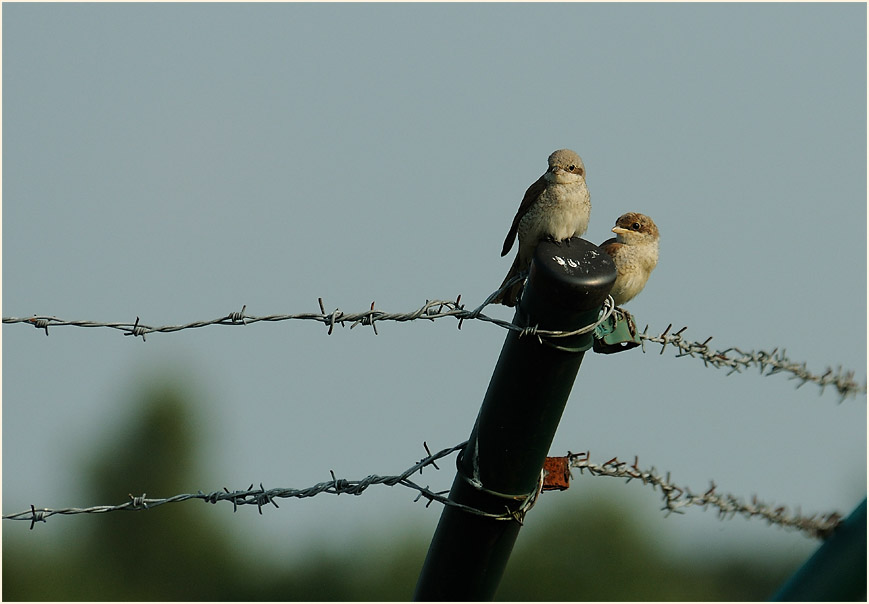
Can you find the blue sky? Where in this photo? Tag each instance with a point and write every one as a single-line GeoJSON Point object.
{"type": "Point", "coordinates": [176, 161]}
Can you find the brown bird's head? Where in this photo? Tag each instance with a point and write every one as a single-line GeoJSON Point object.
{"type": "Point", "coordinates": [565, 166]}
{"type": "Point", "coordinates": [634, 228]}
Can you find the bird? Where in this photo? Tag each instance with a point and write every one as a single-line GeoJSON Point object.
{"type": "Point", "coordinates": [634, 251]}
{"type": "Point", "coordinates": [556, 207]}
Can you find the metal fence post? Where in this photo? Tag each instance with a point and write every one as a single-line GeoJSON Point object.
{"type": "Point", "coordinates": [502, 462]}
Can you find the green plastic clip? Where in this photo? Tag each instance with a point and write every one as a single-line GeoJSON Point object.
{"type": "Point", "coordinates": [617, 333]}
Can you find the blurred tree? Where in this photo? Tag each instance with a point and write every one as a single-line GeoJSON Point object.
{"type": "Point", "coordinates": [172, 554]}
{"type": "Point", "coordinates": [600, 552]}
{"type": "Point", "coordinates": [596, 552]}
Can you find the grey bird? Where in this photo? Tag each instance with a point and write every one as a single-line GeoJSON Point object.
{"type": "Point", "coordinates": [556, 207]}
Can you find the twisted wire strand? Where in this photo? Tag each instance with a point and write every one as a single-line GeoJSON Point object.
{"type": "Point", "coordinates": [260, 496]}
{"type": "Point", "coordinates": [675, 497]}
{"type": "Point", "coordinates": [775, 361]}
{"type": "Point", "coordinates": [732, 358]}
{"type": "Point", "coordinates": [431, 310]}
{"type": "Point", "coordinates": [257, 496]}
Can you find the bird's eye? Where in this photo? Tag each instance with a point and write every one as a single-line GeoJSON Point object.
{"type": "Point", "coordinates": [571, 167]}
{"type": "Point", "coordinates": [636, 226]}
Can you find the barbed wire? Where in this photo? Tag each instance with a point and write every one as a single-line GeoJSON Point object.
{"type": "Point", "coordinates": [259, 496]}
{"type": "Point", "coordinates": [431, 310]}
{"type": "Point", "coordinates": [675, 497]}
{"type": "Point", "coordinates": [776, 361]}
{"type": "Point", "coordinates": [733, 358]}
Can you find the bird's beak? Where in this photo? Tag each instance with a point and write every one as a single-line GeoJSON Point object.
{"type": "Point", "coordinates": [619, 230]}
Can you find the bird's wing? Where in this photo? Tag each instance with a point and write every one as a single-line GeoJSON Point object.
{"type": "Point", "coordinates": [610, 246]}
{"type": "Point", "coordinates": [531, 196]}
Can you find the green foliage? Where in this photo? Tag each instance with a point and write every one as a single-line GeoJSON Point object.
{"type": "Point", "coordinates": [598, 552]}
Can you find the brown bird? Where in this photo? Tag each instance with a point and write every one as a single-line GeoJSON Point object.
{"type": "Point", "coordinates": [635, 253]}
{"type": "Point", "coordinates": [556, 207]}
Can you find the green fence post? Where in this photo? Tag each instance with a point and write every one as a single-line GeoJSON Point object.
{"type": "Point", "coordinates": [837, 570]}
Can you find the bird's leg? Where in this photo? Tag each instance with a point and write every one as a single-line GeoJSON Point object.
{"type": "Point", "coordinates": [627, 317]}
{"type": "Point", "coordinates": [567, 242]}
{"type": "Point", "coordinates": [631, 325]}
{"type": "Point", "coordinates": [552, 239]}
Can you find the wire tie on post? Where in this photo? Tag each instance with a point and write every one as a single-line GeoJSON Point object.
{"type": "Point", "coordinates": [545, 337]}
{"type": "Point", "coordinates": [509, 515]}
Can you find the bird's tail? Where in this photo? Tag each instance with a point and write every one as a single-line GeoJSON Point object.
{"type": "Point", "coordinates": [510, 296]}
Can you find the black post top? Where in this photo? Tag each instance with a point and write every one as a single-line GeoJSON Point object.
{"type": "Point", "coordinates": [575, 274]}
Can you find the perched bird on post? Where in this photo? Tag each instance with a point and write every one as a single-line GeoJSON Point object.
{"type": "Point", "coordinates": [635, 253]}
{"type": "Point", "coordinates": [556, 207]}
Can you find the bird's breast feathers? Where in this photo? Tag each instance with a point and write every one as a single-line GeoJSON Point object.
{"type": "Point", "coordinates": [638, 257]}
{"type": "Point", "coordinates": [561, 211]}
